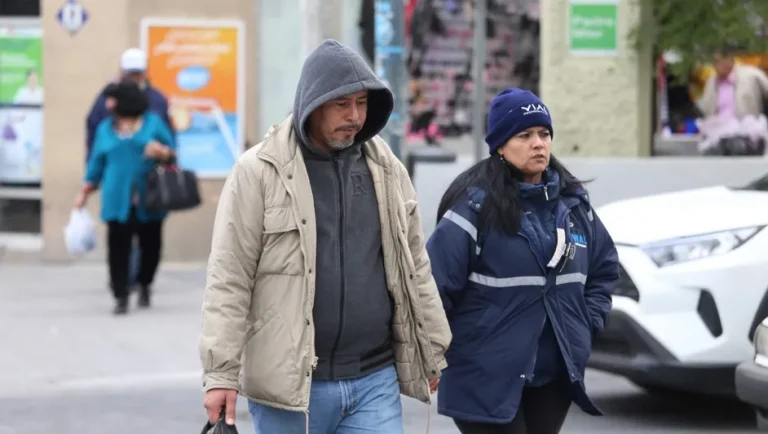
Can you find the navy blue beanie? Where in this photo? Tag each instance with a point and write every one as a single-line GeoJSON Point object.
{"type": "Point", "coordinates": [512, 111]}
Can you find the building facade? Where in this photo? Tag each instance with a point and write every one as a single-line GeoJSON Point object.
{"type": "Point", "coordinates": [600, 102]}
{"type": "Point", "coordinates": [597, 85]}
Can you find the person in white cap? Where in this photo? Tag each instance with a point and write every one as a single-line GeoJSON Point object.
{"type": "Point", "coordinates": [133, 67]}
{"type": "Point", "coordinates": [133, 64]}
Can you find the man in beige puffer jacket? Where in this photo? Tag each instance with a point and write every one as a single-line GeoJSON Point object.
{"type": "Point", "coordinates": [320, 307]}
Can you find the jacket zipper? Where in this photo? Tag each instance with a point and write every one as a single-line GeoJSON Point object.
{"type": "Point", "coordinates": [544, 321]}
{"type": "Point", "coordinates": [337, 172]}
{"type": "Point", "coordinates": [547, 274]}
{"type": "Point", "coordinates": [530, 246]}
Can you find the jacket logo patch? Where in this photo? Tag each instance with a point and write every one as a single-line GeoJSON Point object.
{"type": "Point", "coordinates": [359, 184]}
{"type": "Point", "coordinates": [579, 239]}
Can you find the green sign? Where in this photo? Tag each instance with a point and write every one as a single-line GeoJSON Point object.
{"type": "Point", "coordinates": [21, 99]}
{"type": "Point", "coordinates": [20, 67]}
{"type": "Point", "coordinates": [593, 27]}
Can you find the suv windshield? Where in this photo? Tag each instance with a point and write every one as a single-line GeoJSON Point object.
{"type": "Point", "coordinates": [760, 184]}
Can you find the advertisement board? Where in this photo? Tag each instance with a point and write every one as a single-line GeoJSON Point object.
{"type": "Point", "coordinates": [21, 99]}
{"type": "Point", "coordinates": [199, 66]}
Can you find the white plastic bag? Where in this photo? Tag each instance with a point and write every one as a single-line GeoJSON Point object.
{"type": "Point", "coordinates": [80, 233]}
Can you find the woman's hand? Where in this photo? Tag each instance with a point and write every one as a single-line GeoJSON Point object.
{"type": "Point", "coordinates": [82, 197]}
{"type": "Point", "coordinates": [80, 200]}
{"type": "Point", "coordinates": [157, 151]}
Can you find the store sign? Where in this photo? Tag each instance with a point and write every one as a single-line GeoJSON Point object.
{"type": "Point", "coordinates": [72, 16]}
{"type": "Point", "coordinates": [21, 99]}
{"type": "Point", "coordinates": [593, 27]}
{"type": "Point", "coordinates": [439, 57]}
{"type": "Point", "coordinates": [199, 65]}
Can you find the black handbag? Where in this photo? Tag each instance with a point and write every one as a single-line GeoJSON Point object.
{"type": "Point", "coordinates": [170, 188]}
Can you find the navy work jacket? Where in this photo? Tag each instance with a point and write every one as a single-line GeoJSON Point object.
{"type": "Point", "coordinates": [498, 291]}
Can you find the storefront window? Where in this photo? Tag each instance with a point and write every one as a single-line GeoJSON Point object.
{"type": "Point", "coordinates": [20, 8]}
{"type": "Point", "coordinates": [21, 117]}
{"type": "Point", "coordinates": [20, 216]}
{"type": "Point", "coordinates": [702, 114]}
{"type": "Point", "coordinates": [439, 39]}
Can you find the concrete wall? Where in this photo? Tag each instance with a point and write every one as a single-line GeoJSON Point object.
{"type": "Point", "coordinates": [78, 67]}
{"type": "Point", "coordinates": [601, 106]}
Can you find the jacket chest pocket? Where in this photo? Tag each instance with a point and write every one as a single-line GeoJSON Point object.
{"type": "Point", "coordinates": [577, 253]}
{"type": "Point", "coordinates": [281, 243]}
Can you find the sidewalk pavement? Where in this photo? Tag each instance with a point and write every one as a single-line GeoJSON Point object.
{"type": "Point", "coordinates": [58, 332]}
{"type": "Point", "coordinates": [62, 348]}
{"type": "Point", "coordinates": [68, 366]}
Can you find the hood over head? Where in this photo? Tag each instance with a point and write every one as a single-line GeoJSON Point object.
{"type": "Point", "coordinates": [332, 71]}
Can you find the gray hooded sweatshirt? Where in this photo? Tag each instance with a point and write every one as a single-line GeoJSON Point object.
{"type": "Point", "coordinates": [353, 309]}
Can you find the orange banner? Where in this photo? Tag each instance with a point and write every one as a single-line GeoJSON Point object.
{"type": "Point", "coordinates": [197, 52]}
{"type": "Point", "coordinates": [199, 66]}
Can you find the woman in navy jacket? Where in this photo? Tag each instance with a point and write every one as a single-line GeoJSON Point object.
{"type": "Point", "coordinates": [525, 270]}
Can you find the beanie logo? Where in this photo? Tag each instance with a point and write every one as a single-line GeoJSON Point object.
{"type": "Point", "coordinates": [534, 108]}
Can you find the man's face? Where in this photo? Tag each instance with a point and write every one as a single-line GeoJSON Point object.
{"type": "Point", "coordinates": [135, 76]}
{"type": "Point", "coordinates": [333, 125]}
{"type": "Point", "coordinates": [723, 65]}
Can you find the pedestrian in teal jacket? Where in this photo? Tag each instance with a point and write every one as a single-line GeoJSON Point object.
{"type": "Point", "coordinates": [127, 146]}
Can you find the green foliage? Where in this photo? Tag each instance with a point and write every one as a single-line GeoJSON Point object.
{"type": "Point", "coordinates": [696, 28]}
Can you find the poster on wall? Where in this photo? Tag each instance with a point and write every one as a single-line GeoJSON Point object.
{"type": "Point", "coordinates": [200, 66]}
{"type": "Point", "coordinates": [21, 99]}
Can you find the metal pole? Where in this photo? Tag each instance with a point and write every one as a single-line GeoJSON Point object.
{"type": "Point", "coordinates": [478, 69]}
{"type": "Point", "coordinates": [389, 64]}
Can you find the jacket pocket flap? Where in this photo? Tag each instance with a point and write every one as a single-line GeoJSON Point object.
{"type": "Point", "coordinates": [410, 207]}
{"type": "Point", "coordinates": [279, 219]}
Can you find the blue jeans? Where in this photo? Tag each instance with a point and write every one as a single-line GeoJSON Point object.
{"type": "Point", "coordinates": [369, 405]}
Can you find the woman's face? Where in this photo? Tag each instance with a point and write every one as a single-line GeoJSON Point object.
{"type": "Point", "coordinates": [528, 150]}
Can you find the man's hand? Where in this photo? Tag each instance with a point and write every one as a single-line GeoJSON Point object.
{"type": "Point", "coordinates": [433, 383]}
{"type": "Point", "coordinates": [216, 399]}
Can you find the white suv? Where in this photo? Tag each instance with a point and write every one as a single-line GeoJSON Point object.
{"type": "Point", "coordinates": [694, 286]}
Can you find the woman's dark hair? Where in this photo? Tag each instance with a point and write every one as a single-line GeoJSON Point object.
{"type": "Point", "coordinates": [501, 208]}
{"type": "Point", "coordinates": [109, 91]}
{"type": "Point", "coordinates": [130, 100]}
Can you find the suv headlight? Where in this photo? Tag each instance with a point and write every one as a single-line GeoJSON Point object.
{"type": "Point", "coordinates": [761, 344]}
{"type": "Point", "coordinates": [698, 246]}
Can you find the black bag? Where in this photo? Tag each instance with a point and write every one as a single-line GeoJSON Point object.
{"type": "Point", "coordinates": [220, 427]}
{"type": "Point", "coordinates": [170, 188]}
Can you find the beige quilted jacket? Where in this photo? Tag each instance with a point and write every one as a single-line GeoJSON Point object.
{"type": "Point", "coordinates": [257, 329]}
